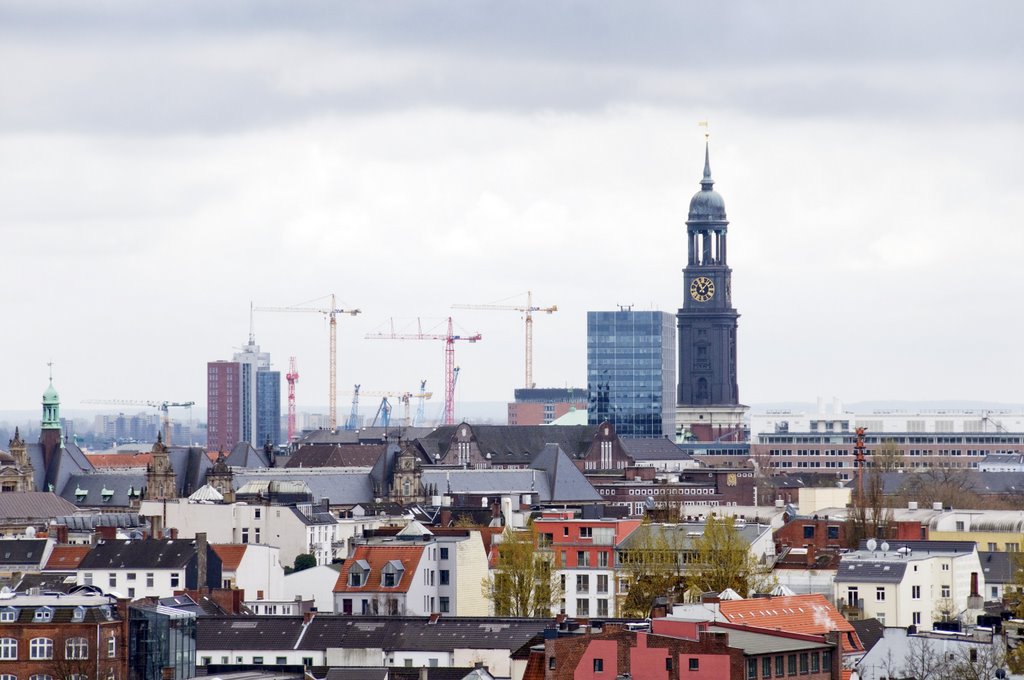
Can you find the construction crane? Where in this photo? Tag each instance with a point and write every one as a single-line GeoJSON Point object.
{"type": "Point", "coordinates": [383, 414]}
{"type": "Point", "coordinates": [405, 398]}
{"type": "Point", "coordinates": [163, 406]}
{"type": "Point", "coordinates": [292, 376]}
{"type": "Point", "coordinates": [528, 310]}
{"type": "Point", "coordinates": [353, 416]}
{"type": "Point", "coordinates": [421, 405]}
{"type": "Point", "coordinates": [449, 339]}
{"type": "Point", "coordinates": [332, 313]}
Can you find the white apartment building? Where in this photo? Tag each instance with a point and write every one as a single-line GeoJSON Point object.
{"type": "Point", "coordinates": [911, 583]}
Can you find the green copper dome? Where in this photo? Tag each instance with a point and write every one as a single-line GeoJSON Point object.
{"type": "Point", "coordinates": [50, 396]}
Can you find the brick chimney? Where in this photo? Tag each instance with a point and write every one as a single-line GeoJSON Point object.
{"type": "Point", "coordinates": [201, 548]}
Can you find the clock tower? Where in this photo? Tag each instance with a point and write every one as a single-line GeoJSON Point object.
{"type": "Point", "coordinates": [707, 397]}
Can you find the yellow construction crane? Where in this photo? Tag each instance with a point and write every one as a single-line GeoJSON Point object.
{"type": "Point", "coordinates": [163, 406]}
{"type": "Point", "coordinates": [404, 397]}
{"type": "Point", "coordinates": [529, 309]}
{"type": "Point", "coordinates": [332, 313]}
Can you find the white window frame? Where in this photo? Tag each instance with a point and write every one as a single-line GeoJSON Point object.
{"type": "Point", "coordinates": [76, 648]}
{"type": "Point", "coordinates": [40, 649]}
{"type": "Point", "coordinates": [9, 649]}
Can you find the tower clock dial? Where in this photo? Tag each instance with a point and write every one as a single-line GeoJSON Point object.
{"type": "Point", "coordinates": [702, 289]}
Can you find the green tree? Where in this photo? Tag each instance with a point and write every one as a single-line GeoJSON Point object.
{"type": "Point", "coordinates": [870, 516]}
{"type": "Point", "coordinates": [524, 581]}
{"type": "Point", "coordinates": [722, 559]}
{"type": "Point", "coordinates": [652, 561]}
{"type": "Point", "coordinates": [304, 561]}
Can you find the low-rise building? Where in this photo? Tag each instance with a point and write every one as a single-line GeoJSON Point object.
{"type": "Point", "coordinates": [910, 583]}
{"type": "Point", "coordinates": [256, 570]}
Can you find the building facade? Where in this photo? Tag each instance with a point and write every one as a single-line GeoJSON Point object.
{"type": "Point", "coordinates": [540, 406]}
{"type": "Point", "coordinates": [243, 399]}
{"type": "Point", "coordinates": [631, 372]}
{"type": "Point", "coordinates": [223, 408]}
{"type": "Point", "coordinates": [708, 407]}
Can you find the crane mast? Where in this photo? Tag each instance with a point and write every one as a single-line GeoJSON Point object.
{"type": "Point", "coordinates": [292, 377]}
{"type": "Point", "coordinates": [449, 339]}
{"type": "Point", "coordinates": [528, 311]}
{"type": "Point", "coordinates": [331, 313]}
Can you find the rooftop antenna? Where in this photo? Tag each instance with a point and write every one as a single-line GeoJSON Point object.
{"type": "Point", "coordinates": [252, 325]}
{"type": "Point", "coordinates": [707, 128]}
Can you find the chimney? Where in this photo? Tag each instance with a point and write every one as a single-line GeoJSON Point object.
{"type": "Point", "coordinates": [201, 559]}
{"type": "Point", "coordinates": [424, 673]}
{"type": "Point", "coordinates": [446, 516]}
{"type": "Point", "coordinates": [307, 616]}
{"type": "Point", "coordinates": [974, 600]}
{"type": "Point", "coordinates": [811, 554]}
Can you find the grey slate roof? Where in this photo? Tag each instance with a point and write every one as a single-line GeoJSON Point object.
{"type": "Point", "coordinates": [360, 673]}
{"type": "Point", "coordinates": [870, 631]}
{"type": "Point", "coordinates": [95, 483]}
{"type": "Point", "coordinates": [566, 481]}
{"type": "Point", "coordinates": [340, 488]}
{"type": "Point", "coordinates": [70, 460]}
{"type": "Point", "coordinates": [121, 520]}
{"type": "Point", "coordinates": [417, 634]}
{"type": "Point", "coordinates": [981, 482]}
{"type": "Point", "coordinates": [190, 465]}
{"type": "Point", "coordinates": [149, 553]}
{"type": "Point", "coordinates": [511, 444]}
{"type": "Point", "coordinates": [36, 505]}
{"type": "Point", "coordinates": [887, 571]}
{"type": "Point", "coordinates": [245, 455]}
{"type": "Point", "coordinates": [336, 455]}
{"type": "Point", "coordinates": [247, 632]}
{"type": "Point", "coordinates": [490, 482]}
{"type": "Point", "coordinates": [648, 448]}
{"type": "Point", "coordinates": [997, 566]}
{"type": "Point", "coordinates": [22, 551]}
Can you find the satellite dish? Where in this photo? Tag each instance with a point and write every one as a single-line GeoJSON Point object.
{"type": "Point", "coordinates": [30, 531]}
{"type": "Point", "coordinates": [872, 544]}
{"type": "Point", "coordinates": [885, 546]}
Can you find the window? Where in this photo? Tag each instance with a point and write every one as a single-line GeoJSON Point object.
{"type": "Point", "coordinates": [602, 583]}
{"type": "Point", "coordinates": [551, 663]}
{"type": "Point", "coordinates": [112, 580]}
{"type": "Point", "coordinates": [694, 664]}
{"type": "Point", "coordinates": [959, 526]}
{"type": "Point", "coordinates": [8, 649]}
{"type": "Point", "coordinates": [565, 531]}
{"type": "Point", "coordinates": [582, 558]}
{"type": "Point", "coordinates": [582, 583]}
{"type": "Point", "coordinates": [205, 660]}
{"type": "Point", "coordinates": [602, 559]}
{"type": "Point", "coordinates": [668, 663]}
{"type": "Point", "coordinates": [826, 660]}
{"type": "Point", "coordinates": [307, 661]}
{"type": "Point", "coordinates": [808, 531]}
{"type": "Point", "coordinates": [245, 535]}
{"type": "Point", "coordinates": [791, 663]}
{"type": "Point", "coordinates": [945, 591]}
{"type": "Point", "coordinates": [444, 553]}
{"type": "Point", "coordinates": [992, 547]}
{"type": "Point", "coordinates": [445, 577]}
{"type": "Point", "coordinates": [880, 594]}
{"type": "Point", "coordinates": [582, 607]}
{"type": "Point", "coordinates": [257, 659]}
{"type": "Point", "coordinates": [175, 579]}
{"type": "Point", "coordinates": [111, 647]}
{"type": "Point", "coordinates": [587, 532]}
{"type": "Point", "coordinates": [355, 578]}
{"type": "Point", "coordinates": [945, 567]}
{"type": "Point", "coordinates": [445, 605]}
{"type": "Point", "coordinates": [256, 531]}
{"type": "Point", "coordinates": [8, 677]}
{"type": "Point", "coordinates": [598, 665]}
{"type": "Point", "coordinates": [257, 515]}
{"type": "Point", "coordinates": [40, 648]}
{"type": "Point", "coordinates": [131, 593]}
{"type": "Point", "coordinates": [751, 669]}
{"type": "Point", "coordinates": [915, 592]}
{"type": "Point", "coordinates": [803, 664]}
{"type": "Point", "coordinates": [43, 615]}
{"type": "Point", "coordinates": [149, 580]}
{"type": "Point", "coordinates": [916, 618]}
{"type": "Point", "coordinates": [1013, 547]}
{"type": "Point", "coordinates": [40, 677]}
{"type": "Point", "coordinates": [833, 533]}
{"type": "Point", "coordinates": [766, 666]}
{"type": "Point", "coordinates": [87, 578]}
{"type": "Point", "coordinates": [779, 668]}
{"type": "Point", "coordinates": [281, 660]}
{"type": "Point", "coordinates": [76, 648]}
{"type": "Point", "coordinates": [602, 607]}
{"type": "Point", "coordinates": [815, 663]}
{"type": "Point", "coordinates": [8, 614]}
{"type": "Point", "coordinates": [131, 576]}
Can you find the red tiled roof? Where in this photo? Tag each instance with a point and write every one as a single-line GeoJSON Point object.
{"type": "Point", "coordinates": [110, 461]}
{"type": "Point", "coordinates": [230, 555]}
{"type": "Point", "coordinates": [64, 557]}
{"type": "Point", "coordinates": [812, 614]}
{"type": "Point", "coordinates": [377, 556]}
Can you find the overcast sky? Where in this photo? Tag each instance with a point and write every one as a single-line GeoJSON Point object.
{"type": "Point", "coordinates": [162, 164]}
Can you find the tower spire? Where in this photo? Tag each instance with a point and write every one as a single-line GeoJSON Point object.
{"type": "Point", "coordinates": [707, 183]}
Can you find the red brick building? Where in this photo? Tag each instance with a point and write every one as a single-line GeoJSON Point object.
{"type": "Point", "coordinates": [540, 406]}
{"type": "Point", "coordinates": [51, 636]}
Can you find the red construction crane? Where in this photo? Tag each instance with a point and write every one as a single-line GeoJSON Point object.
{"type": "Point", "coordinates": [529, 309]}
{"type": "Point", "coordinates": [292, 376]}
{"type": "Point", "coordinates": [449, 359]}
{"type": "Point", "coordinates": [330, 312]}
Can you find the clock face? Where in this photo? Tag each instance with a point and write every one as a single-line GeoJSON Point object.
{"type": "Point", "coordinates": [702, 289]}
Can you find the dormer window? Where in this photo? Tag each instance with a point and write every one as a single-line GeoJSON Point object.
{"type": "Point", "coordinates": [78, 615]}
{"type": "Point", "coordinates": [43, 615]}
{"type": "Point", "coordinates": [80, 494]}
{"type": "Point", "coordinates": [8, 614]}
{"type": "Point", "coordinates": [359, 573]}
{"type": "Point", "coordinates": [391, 574]}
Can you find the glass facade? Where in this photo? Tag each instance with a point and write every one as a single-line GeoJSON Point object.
{"type": "Point", "coordinates": [268, 407]}
{"type": "Point", "coordinates": [158, 638]}
{"type": "Point", "coordinates": [631, 372]}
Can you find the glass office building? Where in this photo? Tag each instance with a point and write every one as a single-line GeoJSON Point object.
{"type": "Point", "coordinates": [268, 407]}
{"type": "Point", "coordinates": [631, 372]}
{"type": "Point", "coordinates": [161, 640]}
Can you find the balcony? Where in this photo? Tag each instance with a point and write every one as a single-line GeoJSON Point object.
{"type": "Point", "coordinates": [851, 610]}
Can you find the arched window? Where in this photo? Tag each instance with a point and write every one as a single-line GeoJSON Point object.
{"type": "Point", "coordinates": [8, 677]}
{"type": "Point", "coordinates": [8, 649]}
{"type": "Point", "coordinates": [40, 677]}
{"type": "Point", "coordinates": [76, 648]}
{"type": "Point", "coordinates": [40, 648]}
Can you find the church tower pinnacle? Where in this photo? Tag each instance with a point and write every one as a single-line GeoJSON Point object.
{"type": "Point", "coordinates": [707, 396]}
